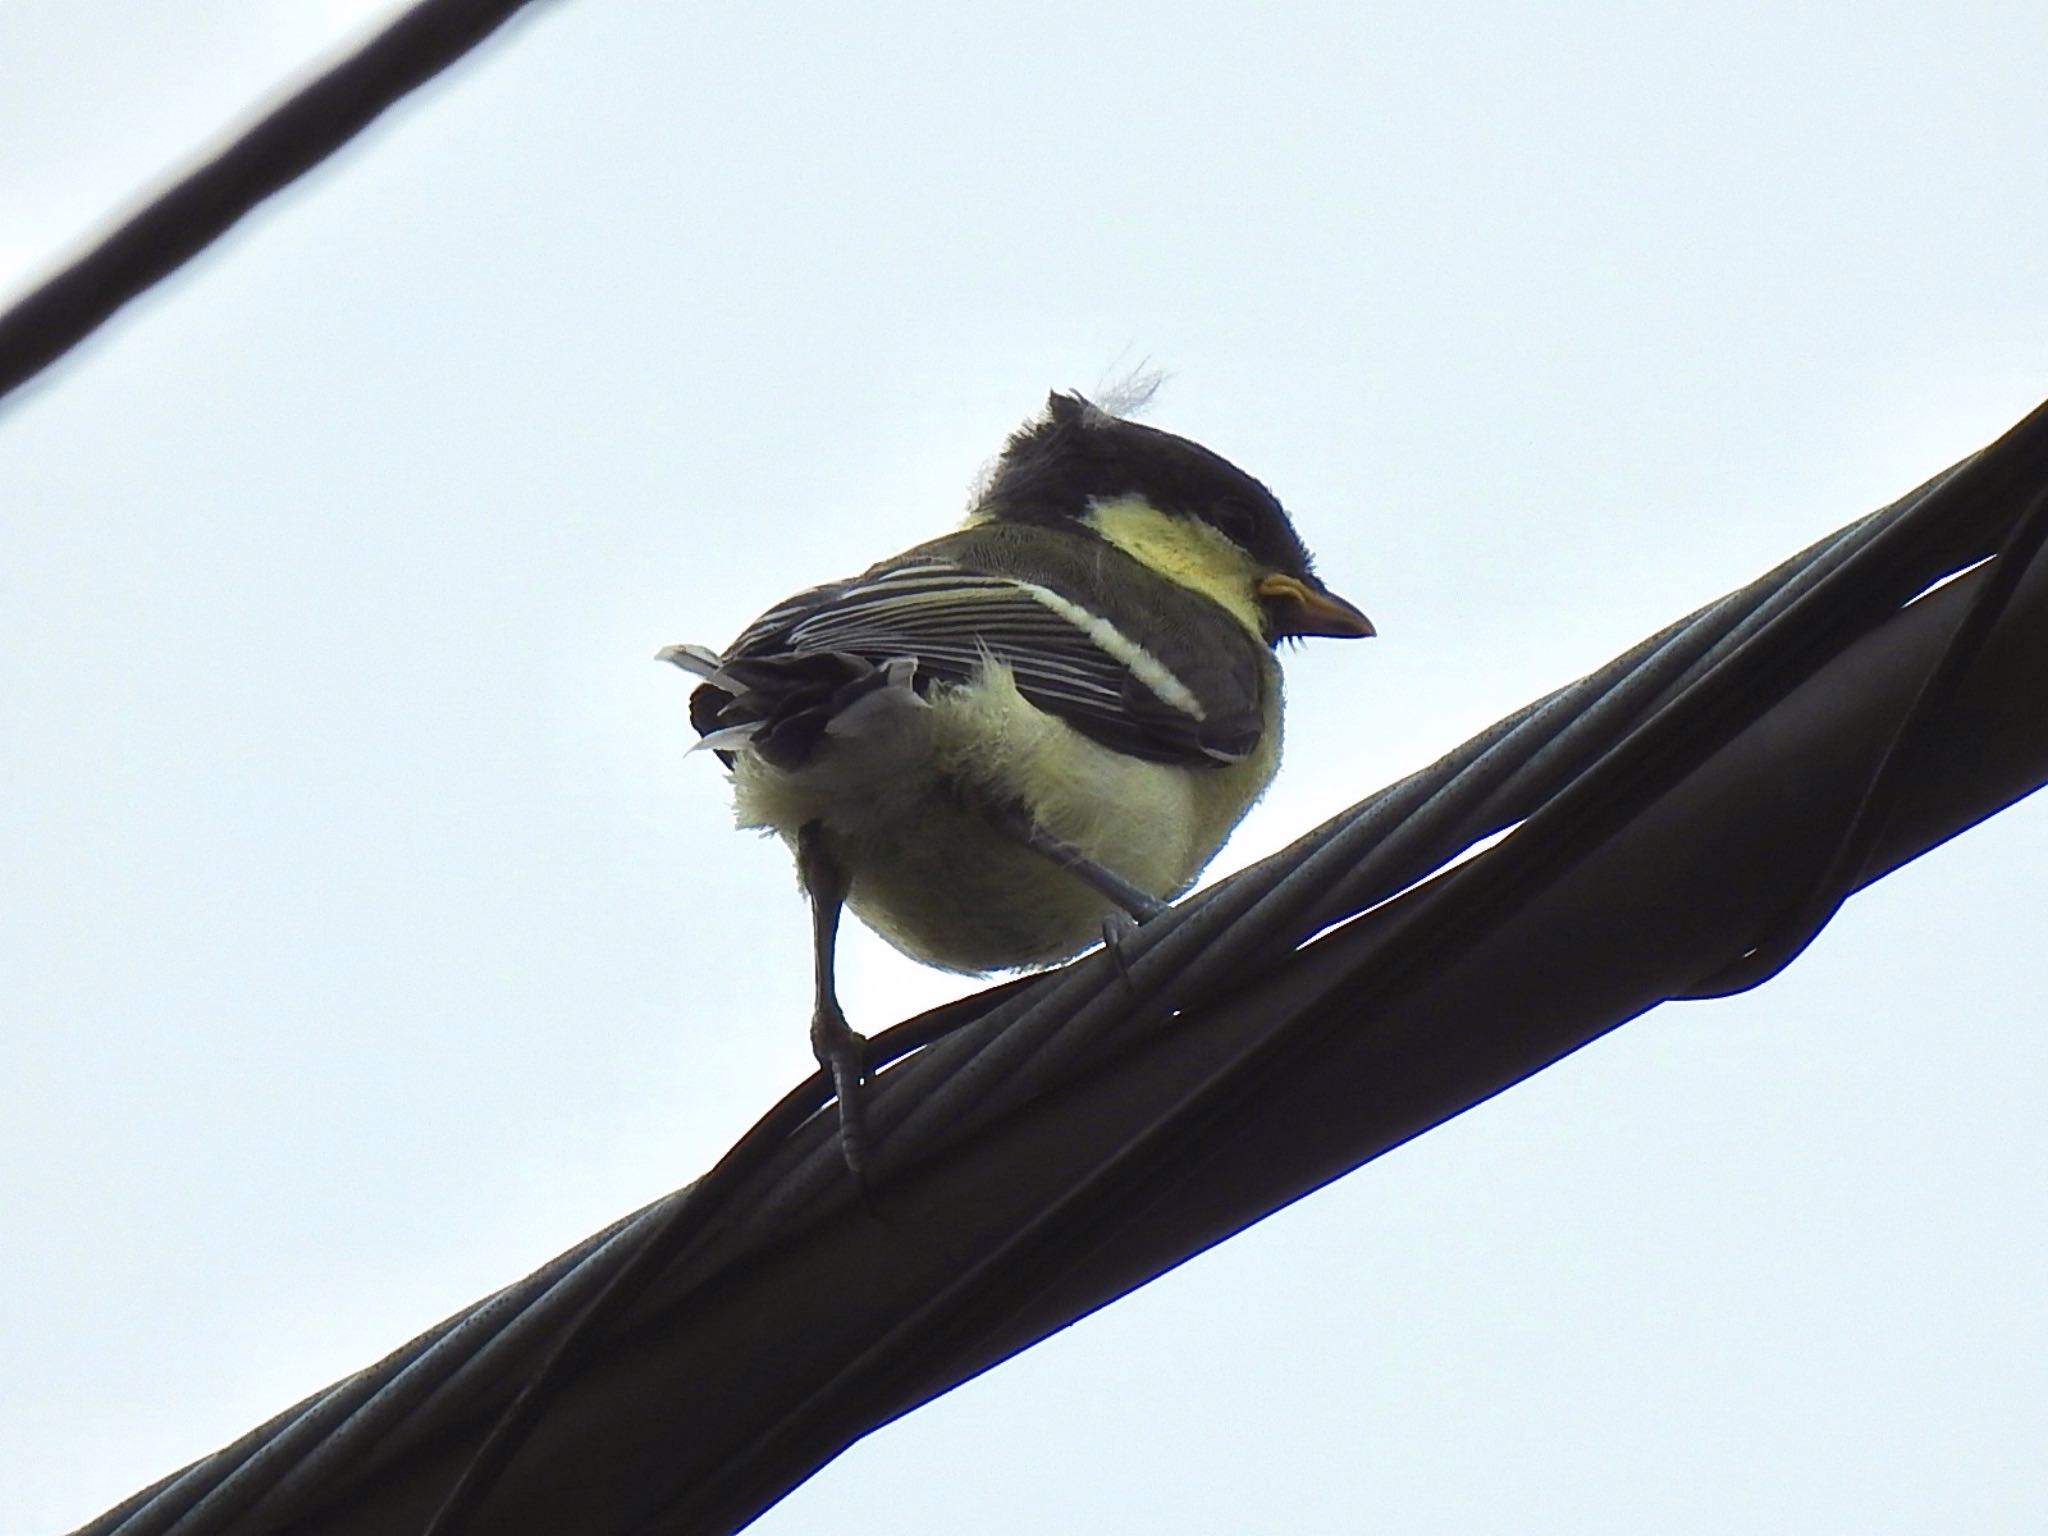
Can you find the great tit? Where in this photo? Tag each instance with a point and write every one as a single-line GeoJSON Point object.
{"type": "Point", "coordinates": [998, 745]}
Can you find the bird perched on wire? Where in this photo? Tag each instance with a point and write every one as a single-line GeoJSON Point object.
{"type": "Point", "coordinates": [997, 745]}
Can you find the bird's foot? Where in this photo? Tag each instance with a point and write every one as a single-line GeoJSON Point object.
{"type": "Point", "coordinates": [843, 1053]}
{"type": "Point", "coordinates": [1117, 928]}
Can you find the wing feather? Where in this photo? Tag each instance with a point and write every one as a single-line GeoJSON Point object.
{"type": "Point", "coordinates": [951, 621]}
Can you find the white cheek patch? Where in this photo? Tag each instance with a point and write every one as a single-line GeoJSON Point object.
{"type": "Point", "coordinates": [1144, 666]}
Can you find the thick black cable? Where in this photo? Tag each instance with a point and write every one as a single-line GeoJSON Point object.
{"type": "Point", "coordinates": [1085, 990]}
{"type": "Point", "coordinates": [1609, 794]}
{"type": "Point", "coordinates": [994, 1283]}
{"type": "Point", "coordinates": [1910, 747]}
{"type": "Point", "coordinates": [1722, 665]}
{"type": "Point", "coordinates": [280, 147]}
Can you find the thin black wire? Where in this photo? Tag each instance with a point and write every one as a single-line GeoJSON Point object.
{"type": "Point", "coordinates": [282, 146]}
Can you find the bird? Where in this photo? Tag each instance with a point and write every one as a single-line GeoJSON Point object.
{"type": "Point", "coordinates": [1020, 738]}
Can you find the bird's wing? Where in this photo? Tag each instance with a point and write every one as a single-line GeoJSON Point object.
{"type": "Point", "coordinates": [951, 621]}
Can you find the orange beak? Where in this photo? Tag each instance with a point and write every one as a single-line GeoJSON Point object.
{"type": "Point", "coordinates": [1307, 608]}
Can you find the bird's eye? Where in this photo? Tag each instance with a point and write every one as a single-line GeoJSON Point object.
{"type": "Point", "coordinates": [1235, 521]}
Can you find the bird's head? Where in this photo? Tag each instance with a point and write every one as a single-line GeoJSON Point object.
{"type": "Point", "coordinates": [1188, 514]}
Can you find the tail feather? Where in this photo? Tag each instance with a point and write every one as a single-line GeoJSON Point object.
{"type": "Point", "coordinates": [781, 707]}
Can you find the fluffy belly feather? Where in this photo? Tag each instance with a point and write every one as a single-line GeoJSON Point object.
{"type": "Point", "coordinates": [897, 786]}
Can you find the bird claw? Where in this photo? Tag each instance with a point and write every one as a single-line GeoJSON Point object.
{"type": "Point", "coordinates": [843, 1054]}
{"type": "Point", "coordinates": [1117, 928]}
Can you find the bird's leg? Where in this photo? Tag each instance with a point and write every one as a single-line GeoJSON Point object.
{"type": "Point", "coordinates": [1142, 906]}
{"type": "Point", "coordinates": [1133, 906]}
{"type": "Point", "coordinates": [840, 1051]}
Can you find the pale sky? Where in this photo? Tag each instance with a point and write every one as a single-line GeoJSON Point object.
{"type": "Point", "coordinates": [368, 939]}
